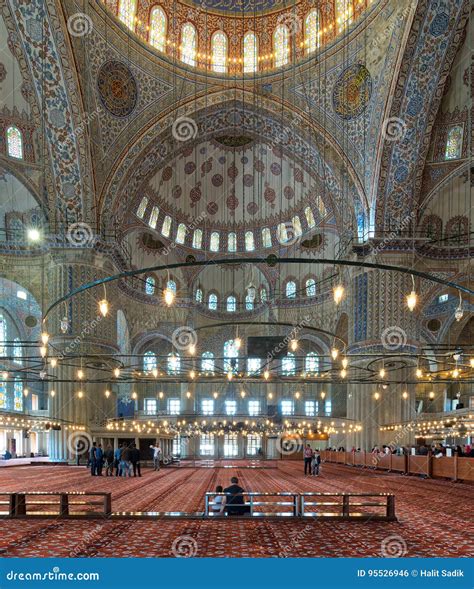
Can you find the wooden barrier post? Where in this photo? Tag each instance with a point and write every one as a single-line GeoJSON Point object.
{"type": "Point", "coordinates": [391, 507]}
{"type": "Point", "coordinates": [108, 504]}
{"type": "Point", "coordinates": [12, 505]}
{"type": "Point", "coordinates": [345, 506]}
{"type": "Point", "coordinates": [20, 504]}
{"type": "Point", "coordinates": [64, 505]}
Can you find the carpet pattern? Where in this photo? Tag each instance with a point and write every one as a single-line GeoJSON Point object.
{"type": "Point", "coordinates": [432, 516]}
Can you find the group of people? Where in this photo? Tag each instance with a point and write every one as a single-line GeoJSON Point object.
{"type": "Point", "coordinates": [312, 461]}
{"type": "Point", "coordinates": [232, 503]}
{"type": "Point", "coordinates": [124, 461]}
{"type": "Point", "coordinates": [437, 450]}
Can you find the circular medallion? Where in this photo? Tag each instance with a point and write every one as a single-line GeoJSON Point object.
{"type": "Point", "coordinates": [117, 88]}
{"type": "Point", "coordinates": [352, 92]}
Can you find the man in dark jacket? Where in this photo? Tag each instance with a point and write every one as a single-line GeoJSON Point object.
{"type": "Point", "coordinates": [135, 460]}
{"type": "Point", "coordinates": [93, 459]}
{"type": "Point", "coordinates": [125, 462]}
{"type": "Point", "coordinates": [234, 504]}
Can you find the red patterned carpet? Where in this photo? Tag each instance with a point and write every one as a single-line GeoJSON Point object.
{"type": "Point", "coordinates": [432, 516]}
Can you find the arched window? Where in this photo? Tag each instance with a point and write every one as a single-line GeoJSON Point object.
{"type": "Point", "coordinates": [18, 395]}
{"type": "Point", "coordinates": [290, 289]}
{"type": "Point", "coordinates": [231, 305]}
{"type": "Point", "coordinates": [454, 143]}
{"type": "Point", "coordinates": [181, 233]}
{"type": "Point", "coordinates": [288, 365]}
{"type": "Point", "coordinates": [158, 28]}
{"type": "Point", "coordinates": [214, 244]}
{"type": "Point", "coordinates": [142, 207]}
{"type": "Point", "coordinates": [150, 285]}
{"type": "Point", "coordinates": [166, 229]}
{"type": "Point", "coordinates": [308, 213]}
{"type": "Point", "coordinates": [282, 233]}
{"type": "Point", "coordinates": [281, 45]}
{"type": "Point", "coordinates": [171, 285]}
{"type": "Point", "coordinates": [198, 295]}
{"type": "Point", "coordinates": [296, 226]}
{"type": "Point", "coordinates": [149, 361]}
{"type": "Point", "coordinates": [207, 363]}
{"type": "Point", "coordinates": [219, 52]}
{"type": "Point", "coordinates": [17, 351]}
{"type": "Point", "coordinates": [249, 241]}
{"type": "Point", "coordinates": [344, 14]}
{"type": "Point", "coordinates": [250, 52]}
{"type": "Point", "coordinates": [231, 356]}
{"type": "Point", "coordinates": [232, 242]}
{"type": "Point", "coordinates": [212, 302]}
{"type": "Point", "coordinates": [263, 295]}
{"type": "Point", "coordinates": [249, 301]}
{"type": "Point", "coordinates": [126, 12]}
{"type": "Point", "coordinates": [174, 363]}
{"type": "Point", "coordinates": [197, 238]}
{"type": "Point", "coordinates": [311, 363]}
{"type": "Point", "coordinates": [188, 44]}
{"type": "Point", "coordinates": [266, 237]}
{"type": "Point", "coordinates": [3, 395]}
{"type": "Point", "coordinates": [155, 211]}
{"type": "Point", "coordinates": [311, 287]}
{"type": "Point", "coordinates": [3, 336]}
{"type": "Point", "coordinates": [312, 25]}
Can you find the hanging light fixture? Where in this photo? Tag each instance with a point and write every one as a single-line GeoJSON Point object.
{"type": "Point", "coordinates": [334, 353]}
{"type": "Point", "coordinates": [155, 372]}
{"type": "Point", "coordinates": [53, 362]}
{"type": "Point", "coordinates": [376, 395]}
{"type": "Point", "coordinates": [64, 325]}
{"type": "Point", "coordinates": [107, 393]}
{"type": "Point", "coordinates": [44, 338]}
{"type": "Point", "coordinates": [161, 394]}
{"type": "Point", "coordinates": [405, 395]}
{"type": "Point", "coordinates": [238, 343]}
{"type": "Point", "coordinates": [192, 375]}
{"type": "Point", "coordinates": [26, 392]}
{"type": "Point", "coordinates": [431, 395]}
{"type": "Point", "coordinates": [134, 395]}
{"type": "Point", "coordinates": [294, 345]}
{"type": "Point", "coordinates": [382, 372]}
{"type": "Point", "coordinates": [52, 393]}
{"type": "Point", "coordinates": [80, 394]}
{"type": "Point", "coordinates": [215, 394]}
{"type": "Point", "coordinates": [43, 351]}
{"type": "Point", "coordinates": [338, 293]}
{"type": "Point", "coordinates": [345, 363]}
{"type": "Point", "coordinates": [116, 372]}
{"type": "Point", "coordinates": [5, 375]}
{"type": "Point", "coordinates": [188, 394]}
{"type": "Point", "coordinates": [266, 374]}
{"type": "Point", "coordinates": [343, 373]}
{"type": "Point", "coordinates": [270, 395]}
{"type": "Point", "coordinates": [323, 395]}
{"type": "Point", "coordinates": [230, 375]}
{"type": "Point", "coordinates": [80, 374]}
{"type": "Point", "coordinates": [412, 298]}
{"type": "Point", "coordinates": [242, 394]}
{"type": "Point", "coordinates": [104, 307]}
{"type": "Point", "coordinates": [192, 349]}
{"type": "Point", "coordinates": [459, 312]}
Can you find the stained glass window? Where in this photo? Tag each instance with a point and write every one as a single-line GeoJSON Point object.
{"type": "Point", "coordinates": [454, 143]}
{"type": "Point", "coordinates": [149, 361]}
{"type": "Point", "coordinates": [214, 245]}
{"type": "Point", "coordinates": [18, 395]}
{"type": "Point", "coordinates": [230, 407]}
{"type": "Point", "coordinates": [249, 241]}
{"type": "Point", "coordinates": [254, 365]}
{"type": "Point", "coordinates": [219, 52]}
{"type": "Point", "coordinates": [254, 444]}
{"type": "Point", "coordinates": [328, 407]}
{"type": "Point", "coordinates": [127, 10]}
{"type": "Point", "coordinates": [249, 302]}
{"type": "Point", "coordinates": [181, 233]}
{"type": "Point", "coordinates": [288, 365]}
{"type": "Point", "coordinates": [206, 445]}
{"type": "Point", "coordinates": [282, 233]}
{"type": "Point", "coordinates": [266, 237]}
{"type": "Point", "coordinates": [322, 208]}
{"type": "Point", "coordinates": [155, 211]}
{"type": "Point", "coordinates": [311, 287]}
{"type": "Point", "coordinates": [174, 406]}
{"type": "Point", "coordinates": [212, 302]}
{"type": "Point", "coordinates": [344, 14]}
{"type": "Point", "coordinates": [311, 362]}
{"type": "Point", "coordinates": [310, 408]}
{"type": "Point", "coordinates": [281, 47]}
{"type": "Point", "coordinates": [296, 223]}
{"type": "Point", "coordinates": [199, 295]}
{"type": "Point", "coordinates": [14, 143]}
{"type": "Point", "coordinates": [171, 285]}
{"type": "Point", "coordinates": [150, 285]}
{"type": "Point", "coordinates": [231, 304]}
{"type": "Point", "coordinates": [207, 406]}
{"type": "Point", "coordinates": [17, 351]}
{"type": "Point", "coordinates": [207, 362]}
{"type": "Point", "coordinates": [142, 207]}
{"type": "Point", "coordinates": [287, 407]}
{"type": "Point", "coordinates": [232, 242]}
{"type": "Point", "coordinates": [254, 408]}
{"type": "Point", "coordinates": [3, 336]}
{"type": "Point", "coordinates": [250, 52]}
{"type": "Point", "coordinates": [231, 445]}
{"type": "Point", "coordinates": [166, 229]}
{"type": "Point", "coordinates": [263, 295]}
{"type": "Point", "coordinates": [231, 356]}
{"type": "Point", "coordinates": [290, 289]}
{"type": "Point", "coordinates": [174, 363]}
{"type": "Point", "coordinates": [308, 213]}
{"type": "Point", "coordinates": [188, 44]}
{"type": "Point", "coordinates": [158, 28]}
{"type": "Point", "coordinates": [197, 238]}
{"type": "Point", "coordinates": [312, 26]}
{"type": "Point", "coordinates": [3, 395]}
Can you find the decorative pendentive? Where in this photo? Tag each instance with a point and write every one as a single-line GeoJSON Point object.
{"type": "Point", "coordinates": [352, 92]}
{"type": "Point", "coordinates": [117, 88]}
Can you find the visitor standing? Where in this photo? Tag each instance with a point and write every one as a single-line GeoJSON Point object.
{"type": "Point", "coordinates": [308, 457]}
{"type": "Point", "coordinates": [135, 460]}
{"type": "Point", "coordinates": [93, 459]}
{"type": "Point", "coordinates": [156, 456]}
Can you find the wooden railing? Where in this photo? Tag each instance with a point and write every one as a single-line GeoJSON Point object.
{"type": "Point", "coordinates": [453, 467]}
{"type": "Point", "coordinates": [59, 504]}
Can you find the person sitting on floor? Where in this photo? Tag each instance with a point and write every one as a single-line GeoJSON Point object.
{"type": "Point", "coordinates": [235, 504]}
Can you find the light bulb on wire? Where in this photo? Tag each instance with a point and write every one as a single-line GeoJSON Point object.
{"type": "Point", "coordinates": [412, 298]}
{"type": "Point", "coordinates": [104, 307]}
{"type": "Point", "coordinates": [294, 345]}
{"type": "Point", "coordinates": [168, 295]}
{"type": "Point", "coordinates": [334, 353]}
{"type": "Point", "coordinates": [338, 293]}
{"type": "Point", "coordinates": [44, 338]}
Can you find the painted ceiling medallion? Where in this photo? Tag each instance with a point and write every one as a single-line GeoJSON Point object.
{"type": "Point", "coordinates": [352, 92]}
{"type": "Point", "coordinates": [234, 140]}
{"type": "Point", "coordinates": [117, 88]}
